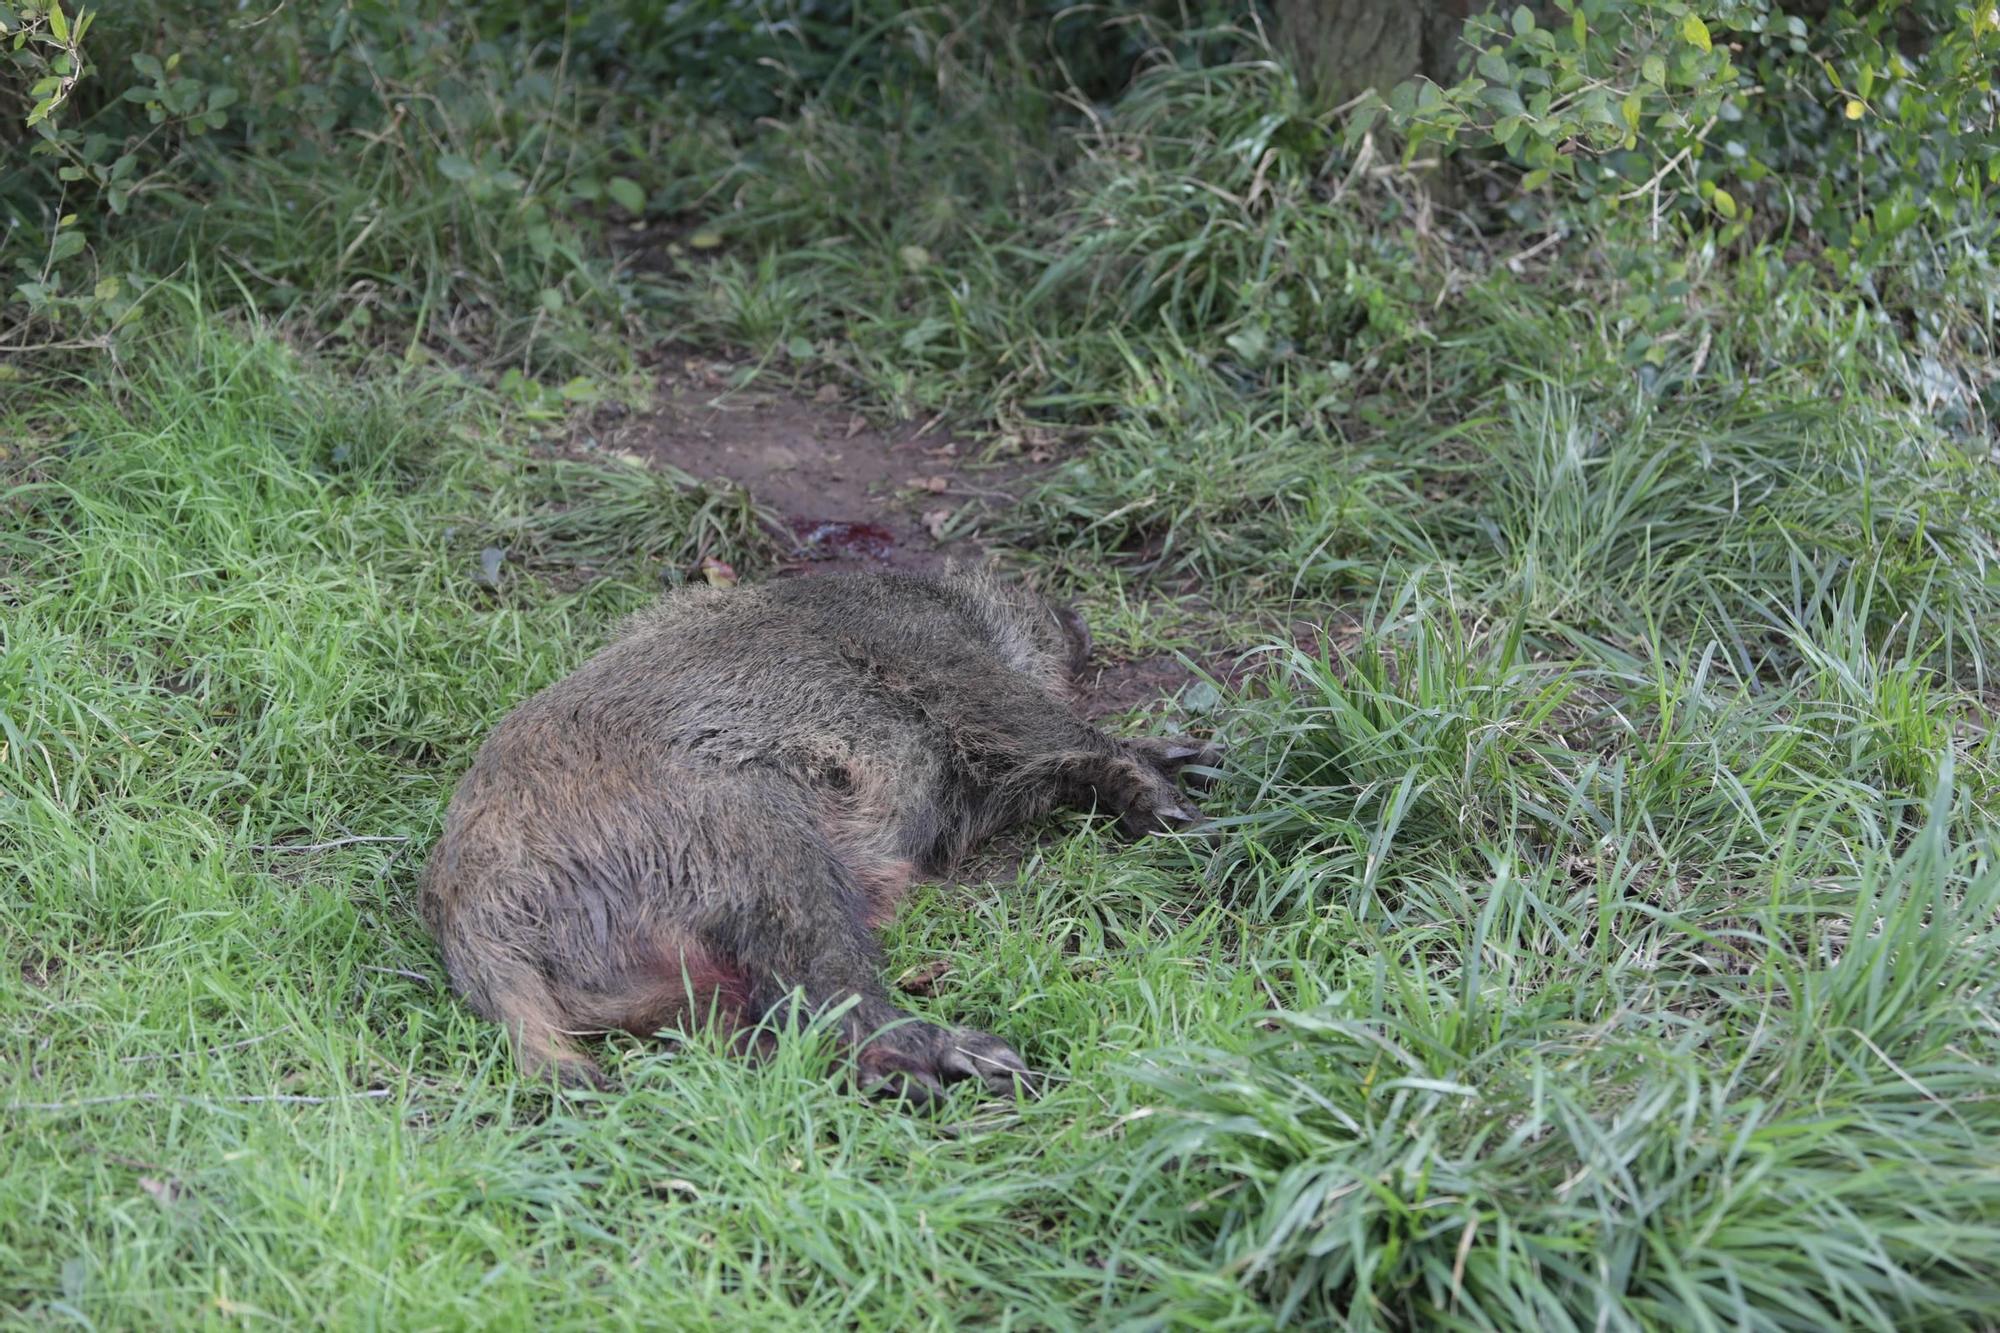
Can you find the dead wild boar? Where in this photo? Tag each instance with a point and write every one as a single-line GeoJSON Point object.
{"type": "Point", "coordinates": [722, 807]}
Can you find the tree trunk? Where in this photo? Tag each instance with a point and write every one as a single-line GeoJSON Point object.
{"type": "Point", "coordinates": [1345, 47]}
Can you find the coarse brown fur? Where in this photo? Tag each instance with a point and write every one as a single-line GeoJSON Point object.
{"type": "Point", "coordinates": [721, 807]}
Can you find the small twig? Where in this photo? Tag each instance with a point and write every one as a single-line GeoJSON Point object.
{"type": "Point", "coordinates": [1701, 354]}
{"type": "Point", "coordinates": [324, 846]}
{"type": "Point", "coordinates": [1361, 162]}
{"type": "Point", "coordinates": [967, 491]}
{"type": "Point", "coordinates": [1658, 176]}
{"type": "Point", "coordinates": [273, 1098]}
{"type": "Point", "coordinates": [1514, 264]}
{"type": "Point", "coordinates": [1257, 178]}
{"type": "Point", "coordinates": [388, 864]}
{"type": "Point", "coordinates": [1465, 1239]}
{"type": "Point", "coordinates": [398, 972]}
{"type": "Point", "coordinates": [1653, 186]}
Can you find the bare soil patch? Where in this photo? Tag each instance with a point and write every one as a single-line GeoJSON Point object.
{"type": "Point", "coordinates": [849, 494]}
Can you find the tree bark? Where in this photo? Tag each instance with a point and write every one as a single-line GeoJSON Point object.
{"type": "Point", "coordinates": [1342, 48]}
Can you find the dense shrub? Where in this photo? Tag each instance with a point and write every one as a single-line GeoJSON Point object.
{"type": "Point", "coordinates": [1854, 123]}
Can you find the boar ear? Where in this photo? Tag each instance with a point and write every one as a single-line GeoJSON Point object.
{"type": "Point", "coordinates": [1078, 635]}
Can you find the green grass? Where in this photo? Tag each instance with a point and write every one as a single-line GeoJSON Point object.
{"type": "Point", "coordinates": [1600, 926]}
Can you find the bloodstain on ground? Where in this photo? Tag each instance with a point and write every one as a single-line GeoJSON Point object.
{"type": "Point", "coordinates": [849, 494]}
{"type": "Point", "coordinates": [853, 495]}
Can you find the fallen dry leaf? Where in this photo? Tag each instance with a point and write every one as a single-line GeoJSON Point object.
{"type": "Point", "coordinates": [922, 980]}
{"type": "Point", "coordinates": [684, 1188]}
{"type": "Point", "coordinates": [828, 393]}
{"type": "Point", "coordinates": [935, 485]}
{"type": "Point", "coordinates": [935, 521]}
{"type": "Point", "coordinates": [166, 1193]}
{"type": "Point", "coordinates": [718, 573]}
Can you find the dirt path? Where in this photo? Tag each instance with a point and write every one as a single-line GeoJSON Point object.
{"type": "Point", "coordinates": [854, 497]}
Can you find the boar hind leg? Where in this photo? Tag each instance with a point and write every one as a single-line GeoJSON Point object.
{"type": "Point", "coordinates": [808, 934]}
{"type": "Point", "coordinates": [538, 1028]}
{"type": "Point", "coordinates": [896, 1055]}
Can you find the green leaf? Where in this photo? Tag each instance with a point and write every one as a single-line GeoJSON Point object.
{"type": "Point", "coordinates": [1491, 66]}
{"type": "Point", "coordinates": [58, 21]}
{"type": "Point", "coordinates": [1696, 31]}
{"type": "Point", "coordinates": [1579, 30]}
{"type": "Point", "coordinates": [1654, 71]}
{"type": "Point", "coordinates": [148, 65]}
{"type": "Point", "coordinates": [1724, 202]}
{"type": "Point", "coordinates": [626, 193]}
{"type": "Point", "coordinates": [552, 300]}
{"type": "Point", "coordinates": [1250, 345]}
{"type": "Point", "coordinates": [1596, 108]}
{"type": "Point", "coordinates": [1524, 21]}
{"type": "Point", "coordinates": [455, 168]}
